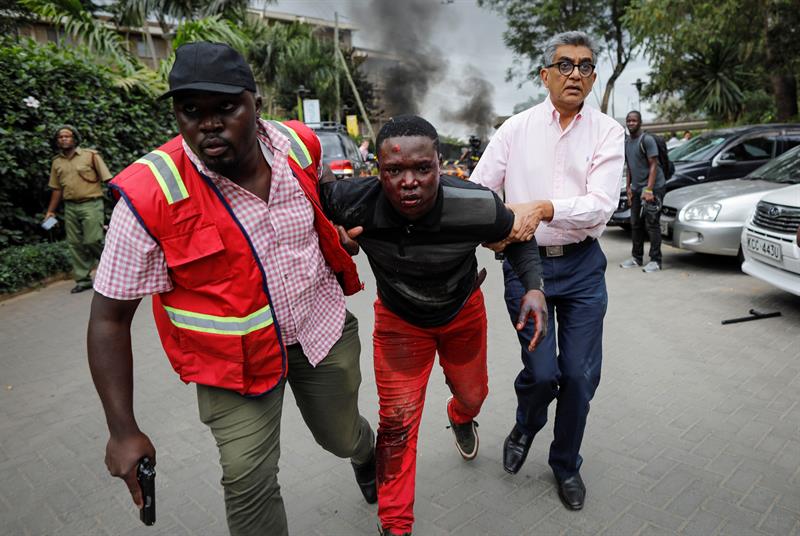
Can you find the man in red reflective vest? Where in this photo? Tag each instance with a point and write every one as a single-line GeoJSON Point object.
{"type": "Point", "coordinates": [222, 226]}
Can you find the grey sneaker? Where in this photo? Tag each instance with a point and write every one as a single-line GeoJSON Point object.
{"type": "Point", "coordinates": [651, 266]}
{"type": "Point", "coordinates": [630, 263]}
{"type": "Point", "coordinates": [466, 436]}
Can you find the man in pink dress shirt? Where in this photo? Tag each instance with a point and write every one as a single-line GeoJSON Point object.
{"type": "Point", "coordinates": [559, 164]}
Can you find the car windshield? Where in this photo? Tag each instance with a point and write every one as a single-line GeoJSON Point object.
{"type": "Point", "coordinates": [331, 146]}
{"type": "Point", "coordinates": [697, 149]}
{"type": "Point", "coordinates": [784, 170]}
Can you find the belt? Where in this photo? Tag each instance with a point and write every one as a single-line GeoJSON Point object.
{"type": "Point", "coordinates": [79, 201]}
{"type": "Point", "coordinates": [566, 249]}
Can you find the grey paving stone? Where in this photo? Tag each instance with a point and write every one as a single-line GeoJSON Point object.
{"type": "Point", "coordinates": [656, 516]}
{"type": "Point", "coordinates": [458, 516]}
{"type": "Point", "coordinates": [702, 524]}
{"type": "Point", "coordinates": [703, 430]}
{"type": "Point", "coordinates": [548, 527]}
{"type": "Point", "coordinates": [779, 521]}
{"type": "Point", "coordinates": [759, 499]}
{"type": "Point", "coordinates": [626, 524]}
{"type": "Point", "coordinates": [655, 530]}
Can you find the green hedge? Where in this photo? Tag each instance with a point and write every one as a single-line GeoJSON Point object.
{"type": "Point", "coordinates": [70, 87]}
{"type": "Point", "coordinates": [23, 266]}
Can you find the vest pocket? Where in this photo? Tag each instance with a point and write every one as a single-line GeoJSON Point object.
{"type": "Point", "coordinates": [212, 359]}
{"type": "Point", "coordinates": [196, 257]}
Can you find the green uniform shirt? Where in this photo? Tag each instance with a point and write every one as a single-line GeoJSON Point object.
{"type": "Point", "coordinates": [80, 177]}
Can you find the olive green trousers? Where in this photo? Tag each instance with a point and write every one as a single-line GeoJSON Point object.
{"type": "Point", "coordinates": [84, 227]}
{"type": "Point", "coordinates": [247, 431]}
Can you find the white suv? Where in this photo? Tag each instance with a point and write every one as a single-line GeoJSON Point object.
{"type": "Point", "coordinates": [769, 240]}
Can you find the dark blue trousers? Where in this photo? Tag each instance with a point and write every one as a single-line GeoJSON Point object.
{"type": "Point", "coordinates": [566, 364]}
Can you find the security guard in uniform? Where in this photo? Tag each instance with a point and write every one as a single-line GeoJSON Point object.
{"type": "Point", "coordinates": [76, 176]}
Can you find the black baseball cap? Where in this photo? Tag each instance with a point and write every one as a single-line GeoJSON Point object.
{"type": "Point", "coordinates": [214, 67]}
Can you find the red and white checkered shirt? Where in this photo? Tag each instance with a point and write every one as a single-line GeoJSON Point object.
{"type": "Point", "coordinates": [307, 301]}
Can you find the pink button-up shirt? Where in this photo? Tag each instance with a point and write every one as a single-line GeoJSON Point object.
{"type": "Point", "coordinates": [578, 168]}
{"type": "Point", "coordinates": [308, 302]}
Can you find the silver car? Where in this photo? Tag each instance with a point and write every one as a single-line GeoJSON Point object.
{"type": "Point", "coordinates": [708, 218]}
{"type": "Point", "coordinates": [770, 240]}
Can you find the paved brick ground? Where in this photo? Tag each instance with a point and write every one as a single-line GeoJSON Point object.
{"type": "Point", "coordinates": [695, 428]}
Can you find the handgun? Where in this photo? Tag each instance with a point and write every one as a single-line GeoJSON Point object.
{"type": "Point", "coordinates": [146, 475]}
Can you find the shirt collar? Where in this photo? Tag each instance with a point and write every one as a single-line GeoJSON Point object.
{"type": "Point", "coordinates": [386, 217]}
{"type": "Point", "coordinates": [553, 115]}
{"type": "Point", "coordinates": [77, 152]}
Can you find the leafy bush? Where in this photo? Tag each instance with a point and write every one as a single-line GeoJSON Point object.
{"type": "Point", "coordinates": [42, 87]}
{"type": "Point", "coordinates": [22, 266]}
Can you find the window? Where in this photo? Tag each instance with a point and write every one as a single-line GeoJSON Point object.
{"type": "Point", "coordinates": [790, 142]}
{"type": "Point", "coordinates": [331, 147]}
{"type": "Point", "coordinates": [351, 150]}
{"type": "Point", "coordinates": [698, 149]}
{"type": "Point", "coordinates": [141, 48]}
{"type": "Point", "coordinates": [762, 148]}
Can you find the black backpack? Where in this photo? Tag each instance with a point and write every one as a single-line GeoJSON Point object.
{"type": "Point", "coordinates": [663, 155]}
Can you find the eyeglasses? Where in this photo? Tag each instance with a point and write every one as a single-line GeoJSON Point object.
{"type": "Point", "coordinates": [566, 67]}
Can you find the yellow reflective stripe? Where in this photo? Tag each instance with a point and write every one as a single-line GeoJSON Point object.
{"type": "Point", "coordinates": [294, 157]}
{"type": "Point", "coordinates": [166, 174]}
{"type": "Point", "coordinates": [297, 149]}
{"type": "Point", "coordinates": [222, 325]}
{"type": "Point", "coordinates": [159, 178]}
{"type": "Point", "coordinates": [302, 146]}
{"type": "Point", "coordinates": [171, 164]}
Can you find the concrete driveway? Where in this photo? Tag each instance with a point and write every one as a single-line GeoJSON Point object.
{"type": "Point", "coordinates": [695, 428]}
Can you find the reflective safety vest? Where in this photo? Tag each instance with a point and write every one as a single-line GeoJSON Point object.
{"type": "Point", "coordinates": [217, 325]}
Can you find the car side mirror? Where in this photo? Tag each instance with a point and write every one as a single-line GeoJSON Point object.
{"type": "Point", "coordinates": [724, 159]}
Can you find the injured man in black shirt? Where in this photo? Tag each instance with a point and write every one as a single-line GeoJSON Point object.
{"type": "Point", "coordinates": [420, 232]}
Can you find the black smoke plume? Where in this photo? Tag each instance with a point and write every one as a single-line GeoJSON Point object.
{"type": "Point", "coordinates": [477, 111]}
{"type": "Point", "coordinates": [405, 29]}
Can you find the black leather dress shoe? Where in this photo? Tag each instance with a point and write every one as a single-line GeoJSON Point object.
{"type": "Point", "coordinates": [572, 492]}
{"type": "Point", "coordinates": [365, 478]}
{"type": "Point", "coordinates": [79, 288]}
{"type": "Point", "coordinates": [515, 450]}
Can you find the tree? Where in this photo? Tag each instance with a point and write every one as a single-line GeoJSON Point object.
{"type": "Point", "coordinates": [80, 22]}
{"type": "Point", "coordinates": [721, 57]}
{"type": "Point", "coordinates": [366, 89]}
{"type": "Point", "coordinates": [171, 13]}
{"type": "Point", "coordinates": [110, 49]}
{"type": "Point", "coordinates": [13, 15]}
{"type": "Point", "coordinates": [532, 22]}
{"type": "Point", "coordinates": [286, 56]}
{"type": "Point", "coordinates": [43, 86]}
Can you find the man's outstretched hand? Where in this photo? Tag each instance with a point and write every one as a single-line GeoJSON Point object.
{"type": "Point", "coordinates": [533, 305]}
{"type": "Point", "coordinates": [347, 238]}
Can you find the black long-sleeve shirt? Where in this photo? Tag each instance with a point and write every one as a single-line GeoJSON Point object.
{"type": "Point", "coordinates": [426, 269]}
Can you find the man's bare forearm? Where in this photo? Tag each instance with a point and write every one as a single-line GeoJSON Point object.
{"type": "Point", "coordinates": [55, 199]}
{"type": "Point", "coordinates": [651, 177]}
{"type": "Point", "coordinates": [111, 361]}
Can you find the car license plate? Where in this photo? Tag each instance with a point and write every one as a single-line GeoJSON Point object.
{"type": "Point", "coordinates": [664, 228]}
{"type": "Point", "coordinates": [767, 248]}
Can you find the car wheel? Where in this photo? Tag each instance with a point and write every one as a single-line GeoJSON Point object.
{"type": "Point", "coordinates": [625, 227]}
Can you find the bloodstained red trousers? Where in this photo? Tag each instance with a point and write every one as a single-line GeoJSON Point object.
{"type": "Point", "coordinates": [404, 356]}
